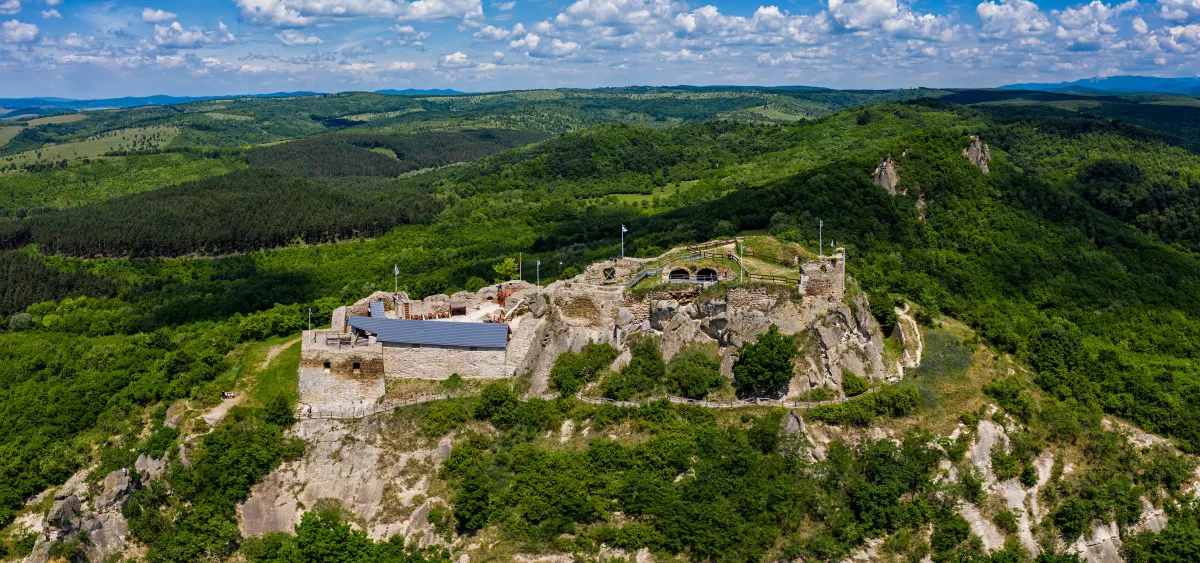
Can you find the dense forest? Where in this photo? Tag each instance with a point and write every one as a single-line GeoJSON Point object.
{"type": "Point", "coordinates": [385, 155]}
{"type": "Point", "coordinates": [1076, 254]}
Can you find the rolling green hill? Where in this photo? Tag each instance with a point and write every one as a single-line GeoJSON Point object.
{"type": "Point", "coordinates": [1074, 257]}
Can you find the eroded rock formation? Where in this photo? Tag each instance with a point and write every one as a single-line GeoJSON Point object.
{"type": "Point", "coordinates": [977, 152]}
{"type": "Point", "coordinates": [886, 176]}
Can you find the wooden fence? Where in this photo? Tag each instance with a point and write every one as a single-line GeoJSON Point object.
{"type": "Point", "coordinates": [354, 413]}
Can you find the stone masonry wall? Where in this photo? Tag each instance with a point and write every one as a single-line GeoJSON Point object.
{"type": "Point", "coordinates": [435, 362]}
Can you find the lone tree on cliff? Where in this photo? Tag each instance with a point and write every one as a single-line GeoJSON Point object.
{"type": "Point", "coordinates": [764, 367]}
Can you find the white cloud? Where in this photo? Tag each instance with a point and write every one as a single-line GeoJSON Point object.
{"type": "Point", "coordinates": [53, 2]}
{"type": "Point", "coordinates": [863, 14]}
{"type": "Point", "coordinates": [492, 33]}
{"type": "Point", "coordinates": [1139, 25]}
{"type": "Point", "coordinates": [1183, 39]}
{"type": "Point", "coordinates": [423, 10]}
{"type": "Point", "coordinates": [77, 42]}
{"type": "Point", "coordinates": [530, 41]}
{"type": "Point", "coordinates": [9, 7]}
{"type": "Point", "coordinates": [457, 59]}
{"type": "Point", "coordinates": [154, 15]}
{"type": "Point", "coordinates": [1179, 10]}
{"type": "Point", "coordinates": [403, 66]}
{"type": "Point", "coordinates": [1012, 18]}
{"type": "Point", "coordinates": [407, 35]}
{"type": "Point", "coordinates": [51, 14]}
{"type": "Point", "coordinates": [301, 13]}
{"type": "Point", "coordinates": [292, 38]}
{"type": "Point", "coordinates": [1087, 27]}
{"type": "Point", "coordinates": [684, 55]}
{"type": "Point", "coordinates": [175, 36]}
{"type": "Point", "coordinates": [890, 16]}
{"type": "Point", "coordinates": [504, 6]}
{"type": "Point", "coordinates": [13, 31]}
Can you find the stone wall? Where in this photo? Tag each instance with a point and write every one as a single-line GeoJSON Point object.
{"type": "Point", "coordinates": [751, 298]}
{"type": "Point", "coordinates": [824, 278]}
{"type": "Point", "coordinates": [439, 362]}
{"type": "Point", "coordinates": [324, 390]}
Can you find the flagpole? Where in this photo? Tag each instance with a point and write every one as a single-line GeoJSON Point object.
{"type": "Point", "coordinates": [521, 266]}
{"type": "Point", "coordinates": [821, 238]}
{"type": "Point", "coordinates": [395, 278]}
{"type": "Point", "coordinates": [539, 276]}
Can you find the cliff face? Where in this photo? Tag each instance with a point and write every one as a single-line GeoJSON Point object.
{"type": "Point", "coordinates": [886, 176]}
{"type": "Point", "coordinates": [837, 336]}
{"type": "Point", "coordinates": [977, 152]}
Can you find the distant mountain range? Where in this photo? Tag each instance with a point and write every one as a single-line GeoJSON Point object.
{"type": "Point", "coordinates": [48, 104]}
{"type": "Point", "coordinates": [1189, 86]}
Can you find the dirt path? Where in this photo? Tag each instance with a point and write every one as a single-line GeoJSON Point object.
{"type": "Point", "coordinates": [915, 360]}
{"type": "Point", "coordinates": [217, 413]}
{"type": "Point", "coordinates": [275, 350]}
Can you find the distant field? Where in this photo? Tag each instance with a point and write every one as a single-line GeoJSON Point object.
{"type": "Point", "coordinates": [773, 113]}
{"type": "Point", "coordinates": [68, 118]}
{"type": "Point", "coordinates": [667, 191]}
{"type": "Point", "coordinates": [228, 116]}
{"type": "Point", "coordinates": [384, 115]}
{"type": "Point", "coordinates": [7, 133]}
{"type": "Point", "coordinates": [138, 138]}
{"type": "Point", "coordinates": [385, 152]}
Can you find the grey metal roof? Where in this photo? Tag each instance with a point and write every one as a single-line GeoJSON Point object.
{"type": "Point", "coordinates": [434, 333]}
{"type": "Point", "coordinates": [377, 309]}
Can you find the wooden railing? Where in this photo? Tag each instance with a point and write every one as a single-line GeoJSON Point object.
{"type": "Point", "coordinates": [353, 413]}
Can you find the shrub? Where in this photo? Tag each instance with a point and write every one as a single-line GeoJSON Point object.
{"type": "Point", "coordinates": [642, 375]}
{"type": "Point", "coordinates": [572, 369]}
{"type": "Point", "coordinates": [764, 367]}
{"type": "Point", "coordinates": [278, 411]}
{"type": "Point", "coordinates": [444, 416]}
{"type": "Point", "coordinates": [1006, 521]}
{"type": "Point", "coordinates": [854, 385]}
{"type": "Point", "coordinates": [20, 321]}
{"type": "Point", "coordinates": [1072, 518]}
{"type": "Point", "coordinates": [498, 403]}
{"type": "Point", "coordinates": [693, 373]}
{"type": "Point", "coordinates": [949, 532]}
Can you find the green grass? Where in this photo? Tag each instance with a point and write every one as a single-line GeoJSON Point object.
{"type": "Point", "coordinates": [68, 118]}
{"type": "Point", "coordinates": [281, 376]}
{"type": "Point", "coordinates": [93, 147]}
{"type": "Point", "coordinates": [662, 193]}
{"type": "Point", "coordinates": [8, 132]}
{"type": "Point", "coordinates": [105, 179]}
{"type": "Point", "coordinates": [385, 152]}
{"type": "Point", "coordinates": [771, 112]}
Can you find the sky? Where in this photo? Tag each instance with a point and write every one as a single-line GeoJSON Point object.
{"type": "Point", "coordinates": [100, 49]}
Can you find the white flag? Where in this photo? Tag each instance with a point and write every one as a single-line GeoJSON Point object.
{"type": "Point", "coordinates": [396, 269]}
{"type": "Point", "coordinates": [623, 229]}
{"type": "Point", "coordinates": [539, 263]}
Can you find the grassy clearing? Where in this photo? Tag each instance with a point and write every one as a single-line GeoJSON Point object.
{"type": "Point", "coordinates": [952, 375]}
{"type": "Point", "coordinates": [228, 116]}
{"type": "Point", "coordinates": [67, 118]}
{"type": "Point", "coordinates": [661, 193]}
{"type": "Point", "coordinates": [8, 132]}
{"type": "Point", "coordinates": [771, 112]}
{"type": "Point", "coordinates": [396, 389]}
{"type": "Point", "coordinates": [282, 375]}
{"type": "Point", "coordinates": [260, 370]}
{"type": "Point", "coordinates": [385, 152]}
{"type": "Point", "coordinates": [137, 138]}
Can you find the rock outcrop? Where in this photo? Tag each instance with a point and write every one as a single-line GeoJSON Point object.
{"type": "Point", "coordinates": [886, 176]}
{"type": "Point", "coordinates": [102, 527]}
{"type": "Point", "coordinates": [977, 152]}
{"type": "Point", "coordinates": [371, 467]}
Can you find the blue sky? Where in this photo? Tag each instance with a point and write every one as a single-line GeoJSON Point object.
{"type": "Point", "coordinates": [93, 49]}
